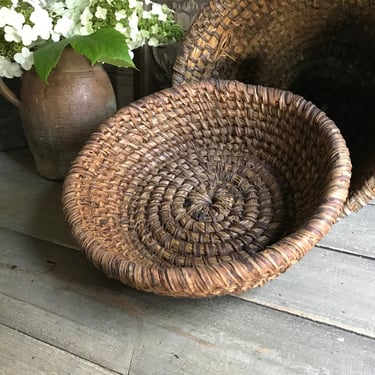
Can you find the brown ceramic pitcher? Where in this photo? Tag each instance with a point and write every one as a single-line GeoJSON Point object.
{"type": "Point", "coordinates": [58, 117]}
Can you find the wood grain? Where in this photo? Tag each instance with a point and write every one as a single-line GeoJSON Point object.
{"type": "Point", "coordinates": [355, 234]}
{"type": "Point", "coordinates": [29, 203]}
{"type": "Point", "coordinates": [325, 286]}
{"type": "Point", "coordinates": [23, 355]}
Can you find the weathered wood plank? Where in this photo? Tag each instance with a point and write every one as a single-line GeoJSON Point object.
{"type": "Point", "coordinates": [354, 234]}
{"type": "Point", "coordinates": [29, 203]}
{"type": "Point", "coordinates": [161, 335]}
{"type": "Point", "coordinates": [330, 287]}
{"type": "Point", "coordinates": [84, 340]}
{"type": "Point", "coordinates": [23, 355]}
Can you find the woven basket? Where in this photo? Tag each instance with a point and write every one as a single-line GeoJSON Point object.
{"type": "Point", "coordinates": [321, 50]}
{"type": "Point", "coordinates": [207, 189]}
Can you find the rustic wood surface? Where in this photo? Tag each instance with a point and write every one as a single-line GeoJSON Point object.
{"type": "Point", "coordinates": [60, 315]}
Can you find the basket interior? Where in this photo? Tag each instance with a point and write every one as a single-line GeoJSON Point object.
{"type": "Point", "coordinates": [196, 176]}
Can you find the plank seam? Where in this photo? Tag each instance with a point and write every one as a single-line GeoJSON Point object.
{"type": "Point", "coordinates": [343, 251]}
{"type": "Point", "coordinates": [47, 311]}
{"type": "Point", "coordinates": [58, 348]}
{"type": "Point", "coordinates": [306, 317]}
{"type": "Point", "coordinates": [71, 247]}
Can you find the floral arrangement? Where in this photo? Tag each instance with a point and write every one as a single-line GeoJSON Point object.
{"type": "Point", "coordinates": [35, 32]}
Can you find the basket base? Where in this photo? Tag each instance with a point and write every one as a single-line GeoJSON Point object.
{"type": "Point", "coordinates": [206, 206]}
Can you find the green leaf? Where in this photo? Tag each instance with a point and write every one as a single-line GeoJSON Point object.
{"type": "Point", "coordinates": [47, 56]}
{"type": "Point", "coordinates": [105, 45]}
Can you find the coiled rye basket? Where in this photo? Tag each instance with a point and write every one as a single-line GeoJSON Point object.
{"type": "Point", "coordinates": [207, 189]}
{"type": "Point", "coordinates": [323, 50]}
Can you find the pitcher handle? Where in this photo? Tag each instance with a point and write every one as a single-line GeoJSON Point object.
{"type": "Point", "coordinates": [8, 94]}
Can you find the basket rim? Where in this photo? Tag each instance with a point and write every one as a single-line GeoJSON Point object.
{"type": "Point", "coordinates": [216, 279]}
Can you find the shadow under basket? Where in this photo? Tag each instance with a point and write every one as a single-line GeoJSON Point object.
{"type": "Point", "coordinates": [207, 188]}
{"type": "Point", "coordinates": [321, 50]}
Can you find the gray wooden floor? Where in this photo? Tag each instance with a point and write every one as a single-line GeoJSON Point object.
{"type": "Point", "coordinates": [60, 315]}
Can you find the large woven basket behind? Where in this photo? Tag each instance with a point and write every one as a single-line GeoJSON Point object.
{"type": "Point", "coordinates": [322, 50]}
{"type": "Point", "coordinates": [207, 189]}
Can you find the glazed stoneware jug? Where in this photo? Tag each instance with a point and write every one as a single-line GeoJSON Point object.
{"type": "Point", "coordinates": [59, 116]}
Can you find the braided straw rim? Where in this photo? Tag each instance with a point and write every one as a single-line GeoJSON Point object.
{"type": "Point", "coordinates": [214, 45]}
{"type": "Point", "coordinates": [232, 276]}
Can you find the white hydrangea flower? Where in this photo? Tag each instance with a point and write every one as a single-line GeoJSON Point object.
{"type": "Point", "coordinates": [9, 69]}
{"type": "Point", "coordinates": [153, 42]}
{"type": "Point", "coordinates": [146, 15]}
{"type": "Point", "coordinates": [86, 16]}
{"type": "Point", "coordinates": [28, 35]}
{"type": "Point", "coordinates": [133, 3]}
{"type": "Point", "coordinates": [11, 18]}
{"type": "Point", "coordinates": [42, 23]}
{"type": "Point", "coordinates": [55, 36]}
{"type": "Point", "coordinates": [64, 27]}
{"type": "Point", "coordinates": [80, 4]}
{"type": "Point", "coordinates": [157, 10]}
{"type": "Point", "coordinates": [121, 28]}
{"type": "Point", "coordinates": [70, 4]}
{"type": "Point", "coordinates": [17, 20]}
{"type": "Point", "coordinates": [145, 34]}
{"type": "Point", "coordinates": [101, 13]}
{"type": "Point", "coordinates": [25, 58]}
{"type": "Point", "coordinates": [5, 16]}
{"type": "Point", "coordinates": [39, 15]}
{"type": "Point", "coordinates": [56, 8]}
{"type": "Point", "coordinates": [11, 34]}
{"type": "Point", "coordinates": [136, 42]}
{"type": "Point", "coordinates": [86, 29]}
{"type": "Point", "coordinates": [163, 17]}
{"type": "Point", "coordinates": [133, 25]}
{"type": "Point", "coordinates": [120, 15]}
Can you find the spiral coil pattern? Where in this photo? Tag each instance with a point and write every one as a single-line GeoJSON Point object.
{"type": "Point", "coordinates": [207, 189]}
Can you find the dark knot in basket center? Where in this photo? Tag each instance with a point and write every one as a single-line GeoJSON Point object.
{"type": "Point", "coordinates": [209, 207]}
